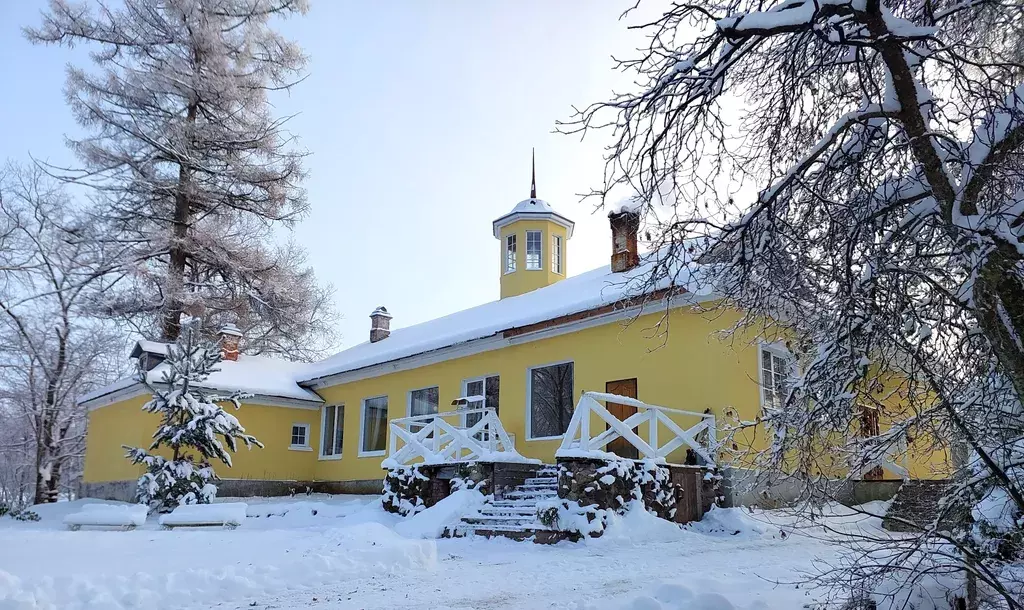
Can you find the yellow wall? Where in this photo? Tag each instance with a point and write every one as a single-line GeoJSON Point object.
{"type": "Point", "coordinates": [125, 423]}
{"type": "Point", "coordinates": [523, 280]}
{"type": "Point", "coordinates": [693, 371]}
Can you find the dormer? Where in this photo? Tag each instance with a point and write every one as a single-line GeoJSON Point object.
{"type": "Point", "coordinates": [533, 238]}
{"type": "Point", "coordinates": [149, 354]}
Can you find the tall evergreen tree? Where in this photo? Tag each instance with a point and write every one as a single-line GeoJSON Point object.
{"type": "Point", "coordinates": [193, 169]}
{"type": "Point", "coordinates": [192, 424]}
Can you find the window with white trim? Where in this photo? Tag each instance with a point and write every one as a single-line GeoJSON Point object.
{"type": "Point", "coordinates": [550, 397]}
{"type": "Point", "coordinates": [423, 402]}
{"type": "Point", "coordinates": [556, 253]}
{"type": "Point", "coordinates": [510, 253]}
{"type": "Point", "coordinates": [374, 426]}
{"type": "Point", "coordinates": [484, 393]}
{"type": "Point", "coordinates": [332, 434]}
{"type": "Point", "coordinates": [776, 366]}
{"type": "Point", "coordinates": [300, 436]}
{"type": "Point", "coordinates": [533, 250]}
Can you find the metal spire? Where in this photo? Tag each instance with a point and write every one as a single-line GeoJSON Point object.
{"type": "Point", "coordinates": [533, 177]}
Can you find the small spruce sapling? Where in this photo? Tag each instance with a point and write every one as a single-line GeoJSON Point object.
{"type": "Point", "coordinates": [191, 423]}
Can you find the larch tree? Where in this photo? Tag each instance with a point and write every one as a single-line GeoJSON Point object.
{"type": "Point", "coordinates": [853, 169]}
{"type": "Point", "coordinates": [193, 170]}
{"type": "Point", "coordinates": [192, 426]}
{"type": "Point", "coordinates": [52, 350]}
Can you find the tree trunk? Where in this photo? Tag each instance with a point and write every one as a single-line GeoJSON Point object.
{"type": "Point", "coordinates": [174, 286]}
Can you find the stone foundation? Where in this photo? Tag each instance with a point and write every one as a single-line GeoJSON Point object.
{"type": "Point", "coordinates": [124, 491]}
{"type": "Point", "coordinates": [741, 488]}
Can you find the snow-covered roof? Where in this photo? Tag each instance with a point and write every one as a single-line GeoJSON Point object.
{"type": "Point", "coordinates": [151, 347]}
{"type": "Point", "coordinates": [532, 209]}
{"type": "Point", "coordinates": [597, 288]}
{"type": "Point", "coordinates": [260, 375]}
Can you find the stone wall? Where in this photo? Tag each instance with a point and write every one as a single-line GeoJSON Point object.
{"type": "Point", "coordinates": [410, 489]}
{"type": "Point", "coordinates": [916, 506]}
{"type": "Point", "coordinates": [677, 493]}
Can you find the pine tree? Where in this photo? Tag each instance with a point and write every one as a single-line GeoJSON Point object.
{"type": "Point", "coordinates": [192, 422]}
{"type": "Point", "coordinates": [191, 167]}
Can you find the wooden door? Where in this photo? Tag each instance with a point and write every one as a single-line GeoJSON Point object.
{"type": "Point", "coordinates": [869, 426]}
{"type": "Point", "coordinates": [622, 387]}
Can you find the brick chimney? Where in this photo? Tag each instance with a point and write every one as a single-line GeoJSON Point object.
{"type": "Point", "coordinates": [230, 337]}
{"type": "Point", "coordinates": [380, 324]}
{"type": "Point", "coordinates": [625, 225]}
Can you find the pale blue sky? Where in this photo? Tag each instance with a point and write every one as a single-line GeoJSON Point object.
{"type": "Point", "coordinates": [420, 117]}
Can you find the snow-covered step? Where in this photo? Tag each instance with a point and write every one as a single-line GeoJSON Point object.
{"type": "Point", "coordinates": [541, 481]}
{"type": "Point", "coordinates": [536, 494]}
{"type": "Point", "coordinates": [499, 522]}
{"type": "Point", "coordinates": [509, 510]}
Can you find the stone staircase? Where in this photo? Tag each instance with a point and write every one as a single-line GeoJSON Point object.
{"type": "Point", "coordinates": [918, 503]}
{"type": "Point", "coordinates": [514, 514]}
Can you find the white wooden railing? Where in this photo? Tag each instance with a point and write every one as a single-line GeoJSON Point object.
{"type": "Point", "coordinates": [580, 442]}
{"type": "Point", "coordinates": [431, 439]}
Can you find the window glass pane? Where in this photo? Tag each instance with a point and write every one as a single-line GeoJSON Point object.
{"type": "Point", "coordinates": [510, 254]}
{"type": "Point", "coordinates": [339, 430]}
{"type": "Point", "coordinates": [423, 402]}
{"type": "Point", "coordinates": [492, 392]}
{"type": "Point", "coordinates": [556, 253]}
{"type": "Point", "coordinates": [375, 424]}
{"type": "Point", "coordinates": [550, 399]}
{"type": "Point", "coordinates": [328, 447]}
{"type": "Point", "coordinates": [533, 249]}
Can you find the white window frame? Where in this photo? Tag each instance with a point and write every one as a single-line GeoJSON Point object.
{"type": "Point", "coordinates": [362, 427]}
{"type": "Point", "coordinates": [529, 399]}
{"type": "Point", "coordinates": [778, 350]}
{"type": "Point", "coordinates": [323, 431]}
{"type": "Point", "coordinates": [510, 264]}
{"type": "Point", "coordinates": [305, 435]}
{"type": "Point", "coordinates": [481, 378]}
{"type": "Point", "coordinates": [540, 253]}
{"type": "Point", "coordinates": [556, 254]}
{"type": "Point", "coordinates": [408, 399]}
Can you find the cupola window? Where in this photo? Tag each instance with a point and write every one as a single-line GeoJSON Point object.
{"type": "Point", "coordinates": [510, 253]}
{"type": "Point", "coordinates": [533, 252]}
{"type": "Point", "coordinates": [556, 253]}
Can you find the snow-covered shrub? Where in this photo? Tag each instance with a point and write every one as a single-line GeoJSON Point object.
{"type": "Point", "coordinates": [25, 515]}
{"type": "Point", "coordinates": [191, 428]}
{"type": "Point", "coordinates": [4, 508]}
{"type": "Point", "coordinates": [570, 516]}
{"type": "Point", "coordinates": [405, 488]}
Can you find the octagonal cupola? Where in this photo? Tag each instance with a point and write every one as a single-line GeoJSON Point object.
{"type": "Point", "coordinates": [533, 239]}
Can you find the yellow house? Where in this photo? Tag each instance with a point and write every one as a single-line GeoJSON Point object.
{"type": "Point", "coordinates": [528, 355]}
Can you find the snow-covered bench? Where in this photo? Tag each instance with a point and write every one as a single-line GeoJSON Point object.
{"type": "Point", "coordinates": [125, 516]}
{"type": "Point", "coordinates": [227, 514]}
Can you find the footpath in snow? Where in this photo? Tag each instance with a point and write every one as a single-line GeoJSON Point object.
{"type": "Point", "coordinates": [346, 552]}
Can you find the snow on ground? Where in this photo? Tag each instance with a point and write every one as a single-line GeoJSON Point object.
{"type": "Point", "coordinates": [346, 552]}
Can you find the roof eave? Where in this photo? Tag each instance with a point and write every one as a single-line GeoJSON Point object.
{"type": "Point", "coordinates": [511, 217]}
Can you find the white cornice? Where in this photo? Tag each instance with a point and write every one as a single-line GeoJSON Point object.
{"type": "Point", "coordinates": [554, 217]}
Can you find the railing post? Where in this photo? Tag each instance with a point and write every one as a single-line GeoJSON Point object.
{"type": "Point", "coordinates": [712, 438]}
{"type": "Point", "coordinates": [653, 434]}
{"type": "Point", "coordinates": [392, 440]}
{"type": "Point", "coordinates": [585, 428]}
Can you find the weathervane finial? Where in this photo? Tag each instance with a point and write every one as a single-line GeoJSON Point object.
{"type": "Point", "coordinates": [533, 177]}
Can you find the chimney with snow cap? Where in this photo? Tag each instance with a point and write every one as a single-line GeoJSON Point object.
{"type": "Point", "coordinates": [230, 337]}
{"type": "Point", "coordinates": [380, 324]}
{"type": "Point", "coordinates": [625, 221]}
